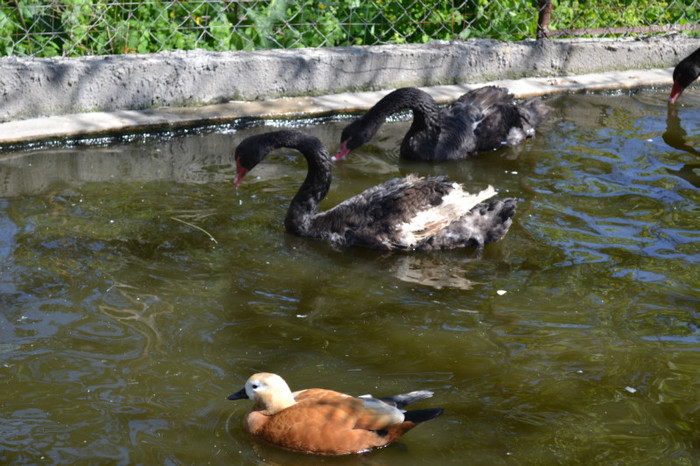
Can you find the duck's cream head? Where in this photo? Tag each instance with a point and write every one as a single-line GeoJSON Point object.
{"type": "Point", "coordinates": [269, 391]}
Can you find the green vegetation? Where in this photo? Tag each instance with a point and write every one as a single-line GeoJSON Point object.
{"type": "Point", "coordinates": [46, 28]}
{"type": "Point", "coordinates": [620, 13]}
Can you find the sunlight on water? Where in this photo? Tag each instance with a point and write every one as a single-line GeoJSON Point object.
{"type": "Point", "coordinates": [139, 288]}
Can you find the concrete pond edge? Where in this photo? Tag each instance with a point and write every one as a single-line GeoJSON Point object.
{"type": "Point", "coordinates": [54, 99]}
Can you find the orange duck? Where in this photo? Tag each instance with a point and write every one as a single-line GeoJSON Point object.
{"type": "Point", "coordinates": [326, 422]}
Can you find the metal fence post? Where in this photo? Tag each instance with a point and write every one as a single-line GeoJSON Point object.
{"type": "Point", "coordinates": [544, 18]}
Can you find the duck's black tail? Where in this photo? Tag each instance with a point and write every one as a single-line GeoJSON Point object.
{"type": "Point", "coordinates": [422, 415]}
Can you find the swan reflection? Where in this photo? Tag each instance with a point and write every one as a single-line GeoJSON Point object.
{"type": "Point", "coordinates": [676, 137]}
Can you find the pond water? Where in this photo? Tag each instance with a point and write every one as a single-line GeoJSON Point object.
{"type": "Point", "coordinates": [139, 288]}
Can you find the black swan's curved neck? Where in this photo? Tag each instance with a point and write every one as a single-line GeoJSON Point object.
{"type": "Point", "coordinates": [425, 110]}
{"type": "Point", "coordinates": [688, 69]}
{"type": "Point", "coordinates": [318, 177]}
{"type": "Point", "coordinates": [315, 186]}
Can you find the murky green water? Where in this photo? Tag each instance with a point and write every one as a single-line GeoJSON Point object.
{"type": "Point", "coordinates": [123, 328]}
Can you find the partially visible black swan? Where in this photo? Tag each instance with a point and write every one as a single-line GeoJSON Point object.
{"type": "Point", "coordinates": [685, 73]}
{"type": "Point", "coordinates": [400, 214]}
{"type": "Point", "coordinates": [481, 120]}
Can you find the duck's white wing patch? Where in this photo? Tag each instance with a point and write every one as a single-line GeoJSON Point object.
{"type": "Point", "coordinates": [429, 221]}
{"type": "Point", "coordinates": [380, 409]}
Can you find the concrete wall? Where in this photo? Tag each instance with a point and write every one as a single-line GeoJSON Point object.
{"type": "Point", "coordinates": [31, 88]}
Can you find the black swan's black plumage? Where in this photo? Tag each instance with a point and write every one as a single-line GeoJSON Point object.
{"type": "Point", "coordinates": [685, 73]}
{"type": "Point", "coordinates": [402, 213]}
{"type": "Point", "coordinates": [481, 120]}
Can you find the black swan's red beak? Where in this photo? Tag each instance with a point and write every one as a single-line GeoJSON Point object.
{"type": "Point", "coordinates": [240, 174]}
{"type": "Point", "coordinates": [342, 151]}
{"type": "Point", "coordinates": [676, 91]}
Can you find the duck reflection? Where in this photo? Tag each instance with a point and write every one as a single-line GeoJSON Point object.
{"type": "Point", "coordinates": [675, 136]}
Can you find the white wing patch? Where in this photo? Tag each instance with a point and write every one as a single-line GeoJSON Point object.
{"type": "Point", "coordinates": [390, 414]}
{"type": "Point", "coordinates": [427, 222]}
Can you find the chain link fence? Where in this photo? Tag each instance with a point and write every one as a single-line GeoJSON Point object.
{"type": "Point", "coordinates": [46, 28]}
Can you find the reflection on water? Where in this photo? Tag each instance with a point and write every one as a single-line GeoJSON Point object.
{"type": "Point", "coordinates": [429, 272]}
{"type": "Point", "coordinates": [139, 288]}
{"type": "Point", "coordinates": [676, 137]}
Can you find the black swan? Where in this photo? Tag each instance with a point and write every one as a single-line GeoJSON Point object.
{"type": "Point", "coordinates": [481, 120]}
{"type": "Point", "coordinates": [399, 214]}
{"type": "Point", "coordinates": [685, 73]}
